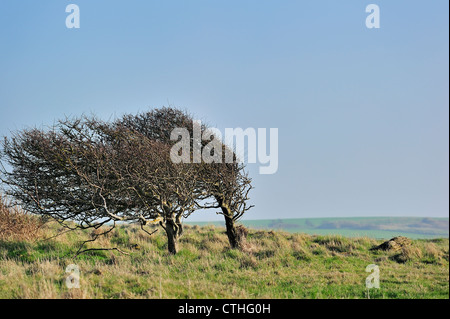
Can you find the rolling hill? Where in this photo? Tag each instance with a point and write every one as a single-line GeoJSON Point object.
{"type": "Point", "coordinates": [373, 227]}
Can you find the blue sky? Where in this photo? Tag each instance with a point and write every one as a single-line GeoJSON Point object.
{"type": "Point", "coordinates": [362, 113]}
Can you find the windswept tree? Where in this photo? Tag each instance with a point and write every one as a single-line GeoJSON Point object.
{"type": "Point", "coordinates": [157, 186]}
{"type": "Point", "coordinates": [164, 189]}
{"type": "Point", "coordinates": [228, 185]}
{"type": "Point", "coordinates": [223, 182]}
{"type": "Point", "coordinates": [94, 174]}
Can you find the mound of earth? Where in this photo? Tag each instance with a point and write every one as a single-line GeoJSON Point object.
{"type": "Point", "coordinates": [394, 244]}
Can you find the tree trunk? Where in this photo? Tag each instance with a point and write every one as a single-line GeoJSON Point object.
{"type": "Point", "coordinates": [231, 229]}
{"type": "Point", "coordinates": [179, 225]}
{"type": "Point", "coordinates": [172, 236]}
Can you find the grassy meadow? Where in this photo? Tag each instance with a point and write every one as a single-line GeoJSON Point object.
{"type": "Point", "coordinates": [273, 264]}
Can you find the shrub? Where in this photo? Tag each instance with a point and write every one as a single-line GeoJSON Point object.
{"type": "Point", "coordinates": [16, 224]}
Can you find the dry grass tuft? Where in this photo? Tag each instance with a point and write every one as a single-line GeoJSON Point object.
{"type": "Point", "coordinates": [432, 251]}
{"type": "Point", "coordinates": [16, 224]}
{"type": "Point", "coordinates": [408, 253]}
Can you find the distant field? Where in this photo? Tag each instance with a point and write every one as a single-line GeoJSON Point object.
{"type": "Point", "coordinates": [373, 227]}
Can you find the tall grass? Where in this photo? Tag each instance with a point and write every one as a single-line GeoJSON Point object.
{"type": "Point", "coordinates": [16, 224]}
{"type": "Point", "coordinates": [271, 265]}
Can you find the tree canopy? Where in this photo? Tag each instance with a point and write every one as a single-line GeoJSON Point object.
{"type": "Point", "coordinates": [97, 173]}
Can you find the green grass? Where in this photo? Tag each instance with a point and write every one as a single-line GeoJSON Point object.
{"type": "Point", "coordinates": [272, 265]}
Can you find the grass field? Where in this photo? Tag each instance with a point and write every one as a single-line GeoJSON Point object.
{"type": "Point", "coordinates": [373, 227]}
{"type": "Point", "coordinates": [274, 264]}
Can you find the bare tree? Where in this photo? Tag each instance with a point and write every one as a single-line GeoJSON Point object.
{"type": "Point", "coordinates": [94, 174]}
{"type": "Point", "coordinates": [228, 185]}
{"type": "Point", "coordinates": [161, 187]}
{"type": "Point", "coordinates": [221, 185]}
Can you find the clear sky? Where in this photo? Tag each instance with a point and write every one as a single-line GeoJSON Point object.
{"type": "Point", "coordinates": [363, 114]}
